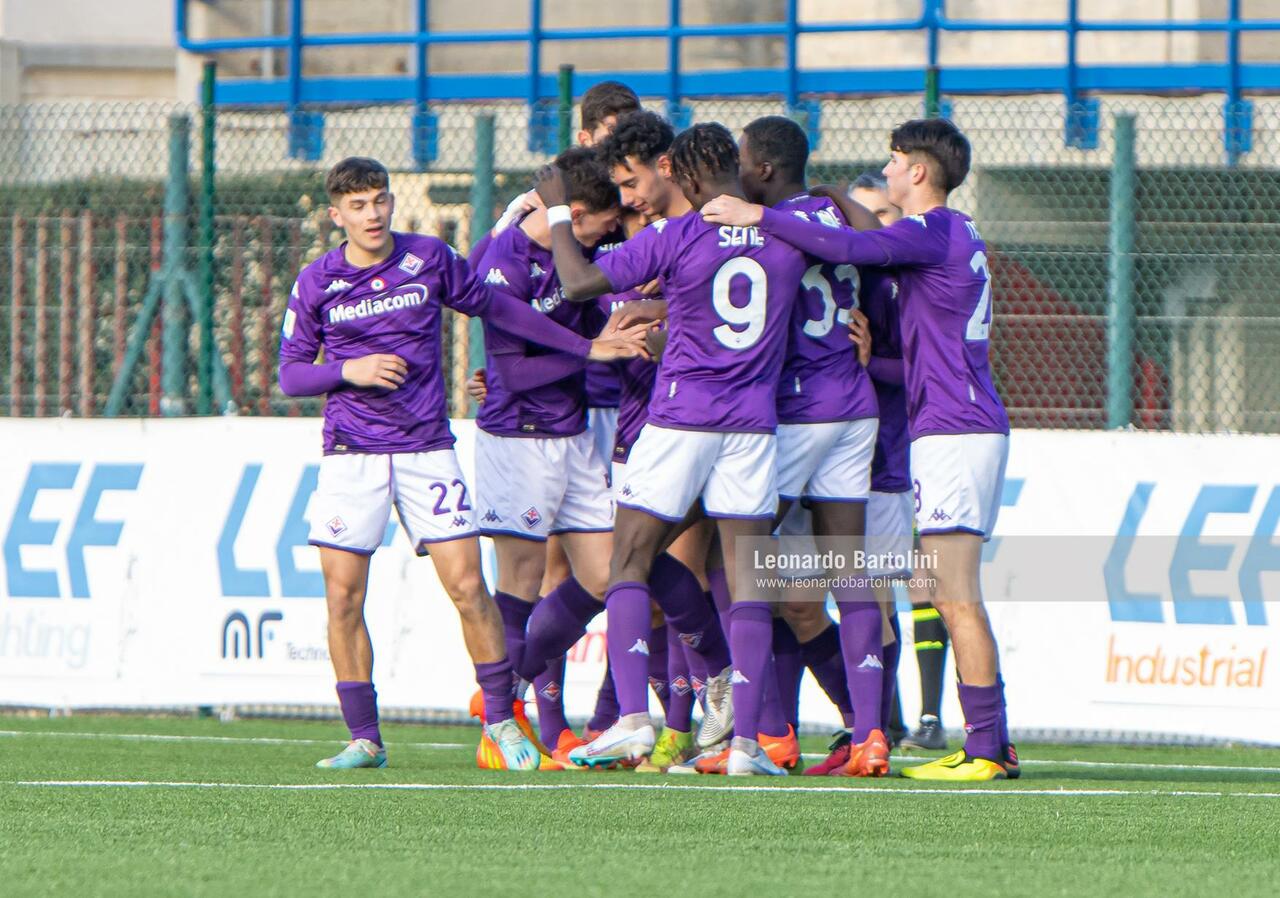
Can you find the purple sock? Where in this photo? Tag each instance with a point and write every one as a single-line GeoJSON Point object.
{"type": "Point", "coordinates": [892, 653]}
{"type": "Point", "coordinates": [750, 633]}
{"type": "Point", "coordinates": [720, 597]}
{"type": "Point", "coordinates": [861, 645]}
{"type": "Point", "coordinates": [548, 692]}
{"type": "Point", "coordinates": [822, 656]}
{"type": "Point", "coordinates": [629, 628]}
{"type": "Point", "coordinates": [606, 712]}
{"type": "Point", "coordinates": [682, 600]}
{"type": "Point", "coordinates": [981, 706]}
{"type": "Point", "coordinates": [679, 684]}
{"type": "Point", "coordinates": [658, 681]}
{"type": "Point", "coordinates": [515, 620]}
{"type": "Point", "coordinates": [359, 705]}
{"type": "Point", "coordinates": [1004, 714]}
{"type": "Point", "coordinates": [499, 688]}
{"type": "Point", "coordinates": [557, 622]}
{"type": "Point", "coordinates": [773, 720]}
{"type": "Point", "coordinates": [789, 667]}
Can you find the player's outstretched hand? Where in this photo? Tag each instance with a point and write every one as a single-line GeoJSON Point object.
{"type": "Point", "coordinates": [381, 370]}
{"type": "Point", "coordinates": [477, 387]}
{"type": "Point", "coordinates": [625, 343]}
{"type": "Point", "coordinates": [549, 185]}
{"type": "Point", "coordinates": [860, 334]}
{"type": "Point", "coordinates": [732, 210]}
{"type": "Point", "coordinates": [642, 311]}
{"type": "Point", "coordinates": [830, 191]}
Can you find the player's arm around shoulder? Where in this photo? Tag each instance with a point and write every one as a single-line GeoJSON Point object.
{"type": "Point", "coordinates": [580, 279]}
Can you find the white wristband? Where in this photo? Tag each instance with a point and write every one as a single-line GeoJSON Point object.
{"type": "Point", "coordinates": [559, 215]}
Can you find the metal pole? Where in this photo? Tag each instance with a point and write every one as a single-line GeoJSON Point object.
{"type": "Point", "coordinates": [176, 204]}
{"type": "Point", "coordinates": [932, 90]}
{"type": "Point", "coordinates": [1120, 322]}
{"type": "Point", "coordinates": [1233, 111]}
{"type": "Point", "coordinates": [792, 51]}
{"type": "Point", "coordinates": [535, 50]}
{"type": "Point", "coordinates": [566, 108]}
{"type": "Point", "coordinates": [673, 60]}
{"type": "Point", "coordinates": [208, 161]}
{"type": "Point", "coordinates": [481, 221]}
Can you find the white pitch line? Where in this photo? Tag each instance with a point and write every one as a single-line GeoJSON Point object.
{"type": "Point", "coordinates": [1113, 765]}
{"type": "Point", "coordinates": [240, 740]}
{"type": "Point", "coordinates": [639, 787]}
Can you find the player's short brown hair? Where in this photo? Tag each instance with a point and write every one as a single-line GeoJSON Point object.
{"type": "Point", "coordinates": [605, 99]}
{"type": "Point", "coordinates": [355, 174]}
{"type": "Point", "coordinates": [942, 142]}
{"type": "Point", "coordinates": [587, 181]}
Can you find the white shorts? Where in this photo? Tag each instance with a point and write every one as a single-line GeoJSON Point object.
{"type": "Point", "coordinates": [602, 424]}
{"type": "Point", "coordinates": [889, 519]}
{"type": "Point", "coordinates": [538, 486]}
{"type": "Point", "coordinates": [958, 481]}
{"type": "Point", "coordinates": [734, 473]}
{"type": "Point", "coordinates": [355, 494]}
{"type": "Point", "coordinates": [617, 473]}
{"type": "Point", "coordinates": [830, 461]}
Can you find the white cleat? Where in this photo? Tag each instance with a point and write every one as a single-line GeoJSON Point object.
{"type": "Point", "coordinates": [690, 767]}
{"type": "Point", "coordinates": [717, 721]}
{"type": "Point", "coordinates": [743, 764]}
{"type": "Point", "coordinates": [618, 743]}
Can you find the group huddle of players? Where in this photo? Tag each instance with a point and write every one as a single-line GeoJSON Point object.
{"type": "Point", "coordinates": [687, 352]}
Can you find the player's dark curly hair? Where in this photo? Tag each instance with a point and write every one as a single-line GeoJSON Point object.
{"type": "Point", "coordinates": [605, 99]}
{"type": "Point", "coordinates": [587, 181]}
{"type": "Point", "coordinates": [782, 143]}
{"type": "Point", "coordinates": [942, 142]}
{"type": "Point", "coordinates": [355, 174]}
{"type": "Point", "coordinates": [644, 135]}
{"type": "Point", "coordinates": [708, 148]}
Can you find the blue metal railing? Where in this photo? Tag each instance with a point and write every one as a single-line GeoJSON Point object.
{"type": "Point", "coordinates": [1072, 80]}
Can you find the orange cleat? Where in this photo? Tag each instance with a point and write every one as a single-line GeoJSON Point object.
{"type": "Point", "coordinates": [559, 759]}
{"type": "Point", "coordinates": [871, 758]}
{"type": "Point", "coordinates": [782, 750]}
{"type": "Point", "coordinates": [710, 763]}
{"type": "Point", "coordinates": [476, 708]}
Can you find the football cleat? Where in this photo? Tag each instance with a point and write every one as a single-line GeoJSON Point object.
{"type": "Point", "coordinates": [709, 763]}
{"type": "Point", "coordinates": [717, 720]}
{"type": "Point", "coordinates": [957, 768]}
{"type": "Point", "coordinates": [929, 736]}
{"type": "Point", "coordinates": [742, 764]}
{"type": "Point", "coordinates": [691, 766]}
{"type": "Point", "coordinates": [834, 763]}
{"type": "Point", "coordinates": [870, 758]}
{"type": "Point", "coordinates": [672, 748]}
{"type": "Point", "coordinates": [358, 753]}
{"type": "Point", "coordinates": [522, 719]}
{"type": "Point", "coordinates": [782, 751]}
{"type": "Point", "coordinates": [504, 746]}
{"type": "Point", "coordinates": [617, 744]}
{"type": "Point", "coordinates": [1012, 768]}
{"type": "Point", "coordinates": [559, 759]}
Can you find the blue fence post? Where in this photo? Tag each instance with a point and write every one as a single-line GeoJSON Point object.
{"type": "Point", "coordinates": [1237, 112]}
{"type": "Point", "coordinates": [677, 113]}
{"type": "Point", "coordinates": [306, 129]}
{"type": "Point", "coordinates": [425, 142]}
{"type": "Point", "coordinates": [1081, 112]}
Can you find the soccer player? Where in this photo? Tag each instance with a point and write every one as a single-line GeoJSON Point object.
{"type": "Point", "coordinates": [892, 506]}
{"type": "Point", "coordinates": [827, 422]}
{"type": "Point", "coordinates": [958, 426]}
{"type": "Point", "coordinates": [710, 432]}
{"type": "Point", "coordinates": [372, 305]}
{"type": "Point", "coordinates": [538, 471]}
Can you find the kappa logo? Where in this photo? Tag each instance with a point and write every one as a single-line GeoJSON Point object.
{"type": "Point", "coordinates": [828, 218]}
{"type": "Point", "coordinates": [660, 225]}
{"type": "Point", "coordinates": [536, 270]}
{"type": "Point", "coordinates": [919, 219]}
{"type": "Point", "coordinates": [738, 678]}
{"type": "Point", "coordinates": [458, 521]}
{"type": "Point", "coordinates": [871, 662]}
{"type": "Point", "coordinates": [692, 640]}
{"type": "Point", "coordinates": [640, 648]}
{"type": "Point", "coordinates": [410, 264]}
{"type": "Point", "coordinates": [939, 515]}
{"type": "Point", "coordinates": [337, 286]}
{"type": "Point", "coordinates": [627, 491]}
{"type": "Point", "coordinates": [336, 525]}
{"type": "Point", "coordinates": [491, 517]}
{"type": "Point", "coordinates": [531, 517]}
{"type": "Point", "coordinates": [658, 685]}
{"type": "Point", "coordinates": [496, 278]}
{"type": "Point", "coordinates": [681, 685]}
{"type": "Point", "coordinates": [551, 691]}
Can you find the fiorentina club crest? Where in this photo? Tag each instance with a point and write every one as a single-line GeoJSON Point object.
{"type": "Point", "coordinates": [410, 264]}
{"type": "Point", "coordinates": [531, 517]}
{"type": "Point", "coordinates": [551, 691]}
{"type": "Point", "coordinates": [336, 526]}
{"type": "Point", "coordinates": [378, 284]}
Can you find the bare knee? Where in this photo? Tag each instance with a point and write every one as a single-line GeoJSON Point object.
{"type": "Point", "coordinates": [346, 607]}
{"type": "Point", "coordinates": [806, 619]}
{"type": "Point", "coordinates": [469, 594]}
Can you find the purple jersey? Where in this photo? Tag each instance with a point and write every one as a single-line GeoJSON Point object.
{"type": "Point", "coordinates": [945, 297]}
{"type": "Point", "coordinates": [604, 386]}
{"type": "Point", "coordinates": [890, 471]}
{"type": "Point", "coordinates": [729, 292]}
{"type": "Point", "coordinates": [515, 265]}
{"type": "Point", "coordinates": [635, 380]}
{"type": "Point", "coordinates": [822, 379]}
{"type": "Point", "coordinates": [392, 307]}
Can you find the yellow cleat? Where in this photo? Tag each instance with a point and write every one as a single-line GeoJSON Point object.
{"type": "Point", "coordinates": [673, 747]}
{"type": "Point", "coordinates": [957, 768]}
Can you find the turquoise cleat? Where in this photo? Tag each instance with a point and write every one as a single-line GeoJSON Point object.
{"type": "Point", "coordinates": [358, 753]}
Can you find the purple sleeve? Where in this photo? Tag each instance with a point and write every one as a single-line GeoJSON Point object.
{"type": "Point", "coordinates": [471, 296]}
{"type": "Point", "coordinates": [638, 261]}
{"type": "Point", "coordinates": [305, 379]}
{"type": "Point", "coordinates": [887, 370]}
{"type": "Point", "coordinates": [524, 373]}
{"type": "Point", "coordinates": [905, 242]}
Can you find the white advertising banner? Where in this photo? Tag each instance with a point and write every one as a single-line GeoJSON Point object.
{"type": "Point", "coordinates": [1134, 584]}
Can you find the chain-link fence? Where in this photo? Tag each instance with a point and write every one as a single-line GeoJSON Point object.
{"type": "Point", "coordinates": [1185, 261]}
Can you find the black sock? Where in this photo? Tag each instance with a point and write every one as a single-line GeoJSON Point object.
{"type": "Point", "coordinates": [931, 655]}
